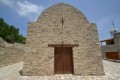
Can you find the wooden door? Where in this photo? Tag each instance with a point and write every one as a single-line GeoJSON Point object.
{"type": "Point", "coordinates": [112, 55]}
{"type": "Point", "coordinates": [63, 62]}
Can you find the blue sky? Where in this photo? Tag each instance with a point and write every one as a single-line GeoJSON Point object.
{"type": "Point", "coordinates": [101, 12]}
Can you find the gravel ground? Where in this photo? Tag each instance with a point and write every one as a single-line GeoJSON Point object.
{"type": "Point", "coordinates": [11, 72]}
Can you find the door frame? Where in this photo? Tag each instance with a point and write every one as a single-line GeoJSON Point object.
{"type": "Point", "coordinates": [64, 45]}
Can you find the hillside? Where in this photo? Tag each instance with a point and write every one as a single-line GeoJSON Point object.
{"type": "Point", "coordinates": [10, 53]}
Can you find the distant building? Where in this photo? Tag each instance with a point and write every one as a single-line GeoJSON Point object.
{"type": "Point", "coordinates": [112, 48]}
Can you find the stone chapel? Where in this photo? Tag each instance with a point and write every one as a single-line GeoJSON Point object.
{"type": "Point", "coordinates": [62, 41]}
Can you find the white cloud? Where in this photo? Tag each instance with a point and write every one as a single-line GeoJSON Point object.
{"type": "Point", "coordinates": [7, 2]}
{"type": "Point", "coordinates": [26, 9]}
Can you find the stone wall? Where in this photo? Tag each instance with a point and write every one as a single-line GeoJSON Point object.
{"type": "Point", "coordinates": [117, 39]}
{"type": "Point", "coordinates": [39, 58]}
{"type": "Point", "coordinates": [10, 53]}
{"type": "Point", "coordinates": [109, 48]}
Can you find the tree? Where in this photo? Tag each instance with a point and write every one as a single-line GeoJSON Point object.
{"type": "Point", "coordinates": [21, 39]}
{"type": "Point", "coordinates": [10, 33]}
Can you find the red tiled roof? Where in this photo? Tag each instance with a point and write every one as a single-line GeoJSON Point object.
{"type": "Point", "coordinates": [107, 40]}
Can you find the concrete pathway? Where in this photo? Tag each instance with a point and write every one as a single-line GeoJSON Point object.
{"type": "Point", "coordinates": [11, 72]}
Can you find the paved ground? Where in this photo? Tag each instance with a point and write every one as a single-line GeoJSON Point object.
{"type": "Point", "coordinates": [112, 69]}
{"type": "Point", "coordinates": [11, 72]}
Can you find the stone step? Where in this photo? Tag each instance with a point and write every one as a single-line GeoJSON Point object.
{"type": "Point", "coordinates": [64, 77]}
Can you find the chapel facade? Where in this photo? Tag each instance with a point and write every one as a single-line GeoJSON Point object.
{"type": "Point", "coordinates": [62, 41]}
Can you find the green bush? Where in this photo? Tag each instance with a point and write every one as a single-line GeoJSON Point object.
{"type": "Point", "coordinates": [10, 33]}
